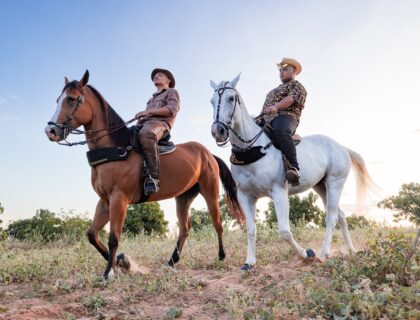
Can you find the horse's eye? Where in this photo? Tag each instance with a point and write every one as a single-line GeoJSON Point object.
{"type": "Point", "coordinates": [70, 99]}
{"type": "Point", "coordinates": [231, 99]}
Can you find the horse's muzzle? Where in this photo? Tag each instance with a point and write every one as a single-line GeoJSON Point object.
{"type": "Point", "coordinates": [219, 132]}
{"type": "Point", "coordinates": [54, 133]}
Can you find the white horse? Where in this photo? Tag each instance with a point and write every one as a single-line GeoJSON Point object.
{"type": "Point", "coordinates": [324, 163]}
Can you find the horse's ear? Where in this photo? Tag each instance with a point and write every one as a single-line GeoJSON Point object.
{"type": "Point", "coordinates": [235, 81]}
{"type": "Point", "coordinates": [66, 81]}
{"type": "Point", "coordinates": [213, 84]}
{"type": "Point", "coordinates": [84, 79]}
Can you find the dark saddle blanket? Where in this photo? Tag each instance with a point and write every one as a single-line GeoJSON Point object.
{"type": "Point", "coordinates": [253, 154]}
{"type": "Point", "coordinates": [108, 154]}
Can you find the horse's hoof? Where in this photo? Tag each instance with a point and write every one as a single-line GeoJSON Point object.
{"type": "Point", "coordinates": [310, 253]}
{"type": "Point", "coordinates": [109, 275]}
{"type": "Point", "coordinates": [222, 256]}
{"type": "Point", "coordinates": [123, 262]}
{"type": "Point", "coordinates": [247, 267]}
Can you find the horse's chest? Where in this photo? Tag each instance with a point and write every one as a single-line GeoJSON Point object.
{"type": "Point", "coordinates": [255, 180]}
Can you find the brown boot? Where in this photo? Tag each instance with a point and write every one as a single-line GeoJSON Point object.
{"type": "Point", "coordinates": [292, 176]}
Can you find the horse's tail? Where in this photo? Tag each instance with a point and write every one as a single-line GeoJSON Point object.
{"type": "Point", "coordinates": [364, 182]}
{"type": "Point", "coordinates": [235, 209]}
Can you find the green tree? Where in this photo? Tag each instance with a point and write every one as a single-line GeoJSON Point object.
{"type": "Point", "coordinates": [300, 210]}
{"type": "Point", "coordinates": [406, 205]}
{"type": "Point", "coordinates": [48, 226]}
{"type": "Point", "coordinates": [147, 218]}
{"type": "Point", "coordinates": [45, 226]}
{"type": "Point", "coordinates": [3, 234]}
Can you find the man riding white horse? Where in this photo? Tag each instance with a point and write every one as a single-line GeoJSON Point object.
{"type": "Point", "coordinates": [282, 109]}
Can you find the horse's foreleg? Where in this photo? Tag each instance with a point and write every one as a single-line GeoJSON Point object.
{"type": "Point", "coordinates": [117, 211]}
{"type": "Point", "coordinates": [281, 204]}
{"type": "Point", "coordinates": [248, 206]}
{"type": "Point", "coordinates": [100, 219]}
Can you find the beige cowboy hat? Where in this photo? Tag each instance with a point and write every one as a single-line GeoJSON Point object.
{"type": "Point", "coordinates": [292, 62]}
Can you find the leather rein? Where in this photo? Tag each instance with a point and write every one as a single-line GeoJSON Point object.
{"type": "Point", "coordinates": [67, 130]}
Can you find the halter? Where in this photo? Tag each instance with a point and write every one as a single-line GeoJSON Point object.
{"type": "Point", "coordinates": [227, 127]}
{"type": "Point", "coordinates": [67, 130]}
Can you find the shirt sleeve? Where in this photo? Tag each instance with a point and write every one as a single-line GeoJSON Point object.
{"type": "Point", "coordinates": [298, 92]}
{"type": "Point", "coordinates": [173, 102]}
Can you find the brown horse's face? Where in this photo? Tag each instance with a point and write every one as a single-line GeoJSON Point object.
{"type": "Point", "coordinates": [72, 110]}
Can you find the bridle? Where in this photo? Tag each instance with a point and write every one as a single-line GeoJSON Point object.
{"type": "Point", "coordinates": [227, 126]}
{"type": "Point", "coordinates": [67, 130]}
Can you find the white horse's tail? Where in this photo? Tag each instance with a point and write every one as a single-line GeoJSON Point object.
{"type": "Point", "coordinates": [364, 182]}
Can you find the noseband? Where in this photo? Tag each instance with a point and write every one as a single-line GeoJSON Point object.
{"type": "Point", "coordinates": [65, 126]}
{"type": "Point", "coordinates": [227, 126]}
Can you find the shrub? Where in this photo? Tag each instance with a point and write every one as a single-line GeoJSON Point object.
{"type": "Point", "coordinates": [147, 218]}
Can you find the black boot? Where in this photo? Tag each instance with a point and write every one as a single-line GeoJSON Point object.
{"type": "Point", "coordinates": [292, 176]}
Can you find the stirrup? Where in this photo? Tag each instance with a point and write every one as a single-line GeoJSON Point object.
{"type": "Point", "coordinates": [151, 185]}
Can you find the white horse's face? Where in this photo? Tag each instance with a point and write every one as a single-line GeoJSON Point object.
{"type": "Point", "coordinates": [225, 100]}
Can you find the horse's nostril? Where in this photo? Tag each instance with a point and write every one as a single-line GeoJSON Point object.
{"type": "Point", "coordinates": [53, 131]}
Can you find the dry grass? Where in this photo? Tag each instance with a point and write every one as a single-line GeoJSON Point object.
{"type": "Point", "coordinates": [61, 281]}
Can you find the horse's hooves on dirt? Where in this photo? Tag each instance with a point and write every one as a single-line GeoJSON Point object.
{"type": "Point", "coordinates": [123, 262]}
{"type": "Point", "coordinates": [310, 253]}
{"type": "Point", "coordinates": [222, 256]}
{"type": "Point", "coordinates": [247, 267]}
{"type": "Point", "coordinates": [109, 275]}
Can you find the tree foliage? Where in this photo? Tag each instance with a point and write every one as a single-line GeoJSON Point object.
{"type": "Point", "coordinates": [147, 218]}
{"type": "Point", "coordinates": [48, 226]}
{"type": "Point", "coordinates": [300, 210]}
{"type": "Point", "coordinates": [406, 203]}
{"type": "Point", "coordinates": [3, 234]}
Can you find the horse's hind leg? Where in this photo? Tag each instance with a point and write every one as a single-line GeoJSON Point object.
{"type": "Point", "coordinates": [322, 192]}
{"type": "Point", "coordinates": [100, 219]}
{"type": "Point", "coordinates": [183, 203]}
{"type": "Point", "coordinates": [334, 189]}
{"type": "Point", "coordinates": [281, 204]}
{"type": "Point", "coordinates": [209, 188]}
{"type": "Point", "coordinates": [342, 221]}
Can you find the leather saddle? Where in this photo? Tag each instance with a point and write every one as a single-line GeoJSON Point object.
{"type": "Point", "coordinates": [165, 146]}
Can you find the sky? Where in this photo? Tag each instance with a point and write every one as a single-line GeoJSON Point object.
{"type": "Point", "coordinates": [360, 68]}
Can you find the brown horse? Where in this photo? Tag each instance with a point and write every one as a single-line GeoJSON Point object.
{"type": "Point", "coordinates": [189, 170]}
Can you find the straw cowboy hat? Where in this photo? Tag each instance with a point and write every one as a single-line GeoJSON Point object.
{"type": "Point", "coordinates": [292, 62]}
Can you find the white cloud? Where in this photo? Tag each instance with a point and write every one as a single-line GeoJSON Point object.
{"type": "Point", "coordinates": [6, 97]}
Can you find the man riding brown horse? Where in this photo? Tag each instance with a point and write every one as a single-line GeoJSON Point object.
{"type": "Point", "coordinates": [156, 122]}
{"type": "Point", "coordinates": [282, 110]}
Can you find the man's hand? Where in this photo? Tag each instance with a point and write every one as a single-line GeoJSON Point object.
{"type": "Point", "coordinates": [271, 109]}
{"type": "Point", "coordinates": [142, 114]}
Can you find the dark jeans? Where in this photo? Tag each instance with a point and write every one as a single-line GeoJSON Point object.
{"type": "Point", "coordinates": [283, 129]}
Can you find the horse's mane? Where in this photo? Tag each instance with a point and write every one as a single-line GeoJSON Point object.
{"type": "Point", "coordinates": [121, 137]}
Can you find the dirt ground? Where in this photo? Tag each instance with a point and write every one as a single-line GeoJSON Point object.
{"type": "Point", "coordinates": [201, 300]}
